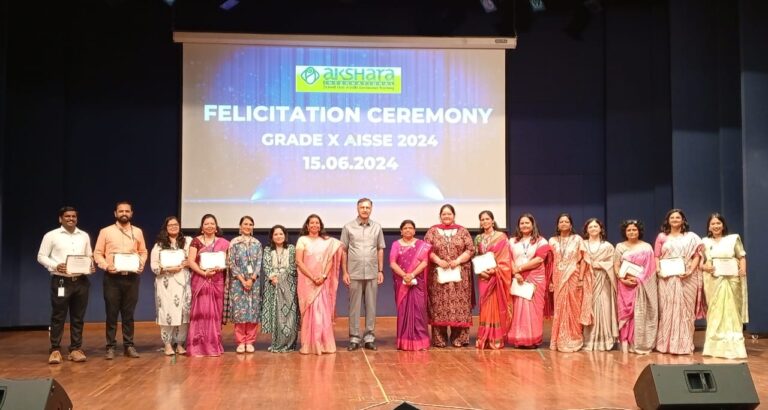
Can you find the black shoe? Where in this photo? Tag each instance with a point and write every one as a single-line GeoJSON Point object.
{"type": "Point", "coordinates": [353, 346]}
{"type": "Point", "coordinates": [370, 346]}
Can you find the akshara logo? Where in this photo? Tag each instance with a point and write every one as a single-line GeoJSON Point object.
{"type": "Point", "coordinates": [310, 75]}
{"type": "Point", "coordinates": [347, 79]}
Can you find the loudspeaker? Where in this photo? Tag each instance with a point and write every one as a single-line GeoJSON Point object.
{"type": "Point", "coordinates": [696, 386]}
{"type": "Point", "coordinates": [41, 394]}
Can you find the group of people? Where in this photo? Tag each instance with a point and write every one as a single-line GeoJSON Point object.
{"type": "Point", "coordinates": [638, 296]}
{"type": "Point", "coordinates": [596, 295]}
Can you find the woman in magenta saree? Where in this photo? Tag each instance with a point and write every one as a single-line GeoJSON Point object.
{"type": "Point", "coordinates": [318, 258]}
{"type": "Point", "coordinates": [637, 301]}
{"type": "Point", "coordinates": [494, 285]}
{"type": "Point", "coordinates": [532, 263]}
{"type": "Point", "coordinates": [408, 258]}
{"type": "Point", "coordinates": [207, 311]}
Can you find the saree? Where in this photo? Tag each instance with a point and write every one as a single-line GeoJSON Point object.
{"type": "Point", "coordinates": [494, 293]}
{"type": "Point", "coordinates": [450, 304]}
{"type": "Point", "coordinates": [317, 304]}
{"type": "Point", "coordinates": [638, 306]}
{"type": "Point", "coordinates": [726, 302]}
{"type": "Point", "coordinates": [604, 331]}
{"type": "Point", "coordinates": [681, 300]}
{"type": "Point", "coordinates": [411, 301]}
{"type": "Point", "coordinates": [527, 324]}
{"type": "Point", "coordinates": [570, 291]}
{"type": "Point", "coordinates": [206, 315]}
{"type": "Point", "coordinates": [280, 311]}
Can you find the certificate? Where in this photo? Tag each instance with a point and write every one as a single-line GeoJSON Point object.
{"type": "Point", "coordinates": [483, 262]}
{"type": "Point", "coordinates": [524, 291]}
{"type": "Point", "coordinates": [213, 260]}
{"type": "Point", "coordinates": [672, 267]}
{"type": "Point", "coordinates": [79, 264]}
{"type": "Point", "coordinates": [449, 275]}
{"type": "Point", "coordinates": [171, 258]}
{"type": "Point", "coordinates": [126, 262]}
{"type": "Point", "coordinates": [725, 266]}
{"type": "Point", "coordinates": [629, 268]}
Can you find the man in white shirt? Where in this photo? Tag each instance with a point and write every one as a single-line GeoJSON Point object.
{"type": "Point", "coordinates": [69, 291]}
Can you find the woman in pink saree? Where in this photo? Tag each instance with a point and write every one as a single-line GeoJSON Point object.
{"type": "Point", "coordinates": [408, 259]}
{"type": "Point", "coordinates": [571, 287]}
{"type": "Point", "coordinates": [494, 285]}
{"type": "Point", "coordinates": [318, 258]}
{"type": "Point", "coordinates": [681, 297]}
{"type": "Point", "coordinates": [531, 263]}
{"type": "Point", "coordinates": [207, 311]}
{"type": "Point", "coordinates": [637, 301]}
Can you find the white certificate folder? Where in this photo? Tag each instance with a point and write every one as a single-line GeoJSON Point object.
{"type": "Point", "coordinates": [671, 267]}
{"type": "Point", "coordinates": [524, 291]}
{"type": "Point", "coordinates": [171, 258]}
{"type": "Point", "coordinates": [79, 264]}
{"type": "Point", "coordinates": [448, 275]}
{"type": "Point", "coordinates": [213, 260]}
{"type": "Point", "coordinates": [126, 262]}
{"type": "Point", "coordinates": [483, 262]}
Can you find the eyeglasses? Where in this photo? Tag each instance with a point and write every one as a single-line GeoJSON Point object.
{"type": "Point", "coordinates": [172, 225]}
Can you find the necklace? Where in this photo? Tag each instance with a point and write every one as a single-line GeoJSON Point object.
{"type": "Point", "coordinates": [485, 239]}
{"type": "Point", "coordinates": [205, 245]}
{"type": "Point", "coordinates": [591, 252]}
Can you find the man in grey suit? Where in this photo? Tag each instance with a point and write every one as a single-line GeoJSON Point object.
{"type": "Point", "coordinates": [363, 272]}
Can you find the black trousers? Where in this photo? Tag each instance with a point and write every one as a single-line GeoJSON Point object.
{"type": "Point", "coordinates": [74, 302]}
{"type": "Point", "coordinates": [121, 293]}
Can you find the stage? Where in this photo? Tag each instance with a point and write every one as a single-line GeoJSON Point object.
{"type": "Point", "coordinates": [440, 378]}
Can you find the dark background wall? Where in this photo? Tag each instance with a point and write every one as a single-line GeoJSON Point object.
{"type": "Point", "coordinates": [633, 109]}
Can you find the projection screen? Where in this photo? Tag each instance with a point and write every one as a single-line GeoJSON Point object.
{"type": "Point", "coordinates": [278, 128]}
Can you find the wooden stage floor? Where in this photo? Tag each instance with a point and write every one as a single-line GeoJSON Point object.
{"type": "Point", "coordinates": [438, 379]}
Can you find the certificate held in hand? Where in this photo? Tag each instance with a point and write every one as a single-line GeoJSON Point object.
{"type": "Point", "coordinates": [171, 258]}
{"type": "Point", "coordinates": [725, 266]}
{"type": "Point", "coordinates": [483, 262]}
{"type": "Point", "coordinates": [79, 265]}
{"type": "Point", "coordinates": [524, 291]}
{"type": "Point", "coordinates": [671, 267]}
{"type": "Point", "coordinates": [448, 275]}
{"type": "Point", "coordinates": [213, 260]}
{"type": "Point", "coordinates": [126, 262]}
{"type": "Point", "coordinates": [629, 268]}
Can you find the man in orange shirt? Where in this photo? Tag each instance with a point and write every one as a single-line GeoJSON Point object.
{"type": "Point", "coordinates": [121, 252]}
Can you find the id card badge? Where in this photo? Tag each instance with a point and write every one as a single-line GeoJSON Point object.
{"type": "Point", "coordinates": [61, 288]}
{"type": "Point", "coordinates": [250, 269]}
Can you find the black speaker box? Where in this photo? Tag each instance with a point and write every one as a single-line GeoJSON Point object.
{"type": "Point", "coordinates": [41, 394]}
{"type": "Point", "coordinates": [696, 386]}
